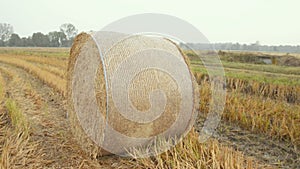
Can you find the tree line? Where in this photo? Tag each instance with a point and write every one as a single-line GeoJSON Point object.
{"type": "Point", "coordinates": [243, 47]}
{"type": "Point", "coordinates": [61, 38]}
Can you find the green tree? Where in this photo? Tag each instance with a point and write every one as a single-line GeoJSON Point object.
{"type": "Point", "coordinates": [14, 40]}
{"type": "Point", "coordinates": [56, 38]}
{"type": "Point", "coordinates": [2, 43]}
{"type": "Point", "coordinates": [40, 40]}
{"type": "Point", "coordinates": [27, 42]}
{"type": "Point", "coordinates": [23, 41]}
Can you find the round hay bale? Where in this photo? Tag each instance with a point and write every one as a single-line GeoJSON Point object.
{"type": "Point", "coordinates": [125, 91]}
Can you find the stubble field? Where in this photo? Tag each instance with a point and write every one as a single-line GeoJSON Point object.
{"type": "Point", "coordinates": [260, 126]}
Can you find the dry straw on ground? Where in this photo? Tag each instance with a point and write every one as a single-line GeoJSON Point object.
{"type": "Point", "coordinates": [92, 95]}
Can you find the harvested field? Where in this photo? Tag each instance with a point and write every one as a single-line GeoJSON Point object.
{"type": "Point", "coordinates": [259, 128]}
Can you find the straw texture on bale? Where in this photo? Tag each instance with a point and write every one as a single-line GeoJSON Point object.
{"type": "Point", "coordinates": [81, 41]}
{"type": "Point", "coordinates": [93, 92]}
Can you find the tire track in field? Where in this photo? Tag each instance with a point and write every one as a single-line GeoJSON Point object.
{"type": "Point", "coordinates": [19, 150]}
{"type": "Point", "coordinates": [264, 149]}
{"type": "Point", "coordinates": [45, 110]}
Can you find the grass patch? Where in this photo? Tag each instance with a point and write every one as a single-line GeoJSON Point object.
{"type": "Point", "coordinates": [18, 121]}
{"type": "Point", "coordinates": [1, 88]}
{"type": "Point", "coordinates": [16, 149]}
{"type": "Point", "coordinates": [255, 67]}
{"type": "Point", "coordinates": [249, 76]}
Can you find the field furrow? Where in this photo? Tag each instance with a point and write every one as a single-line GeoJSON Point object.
{"type": "Point", "coordinates": [48, 126]}
{"type": "Point", "coordinates": [261, 147]}
{"type": "Point", "coordinates": [16, 148]}
{"type": "Point", "coordinates": [52, 80]}
{"type": "Point", "coordinates": [52, 69]}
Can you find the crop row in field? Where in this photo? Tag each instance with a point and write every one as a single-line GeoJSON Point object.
{"type": "Point", "coordinates": [53, 65]}
{"type": "Point", "coordinates": [52, 69]}
{"type": "Point", "coordinates": [16, 149]}
{"type": "Point", "coordinates": [52, 80]}
{"type": "Point", "coordinates": [287, 93]}
{"type": "Point", "coordinates": [277, 119]}
{"type": "Point", "coordinates": [42, 60]}
{"type": "Point", "coordinates": [40, 52]}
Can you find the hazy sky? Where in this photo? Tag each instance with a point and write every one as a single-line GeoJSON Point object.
{"type": "Point", "coordinates": [243, 21]}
